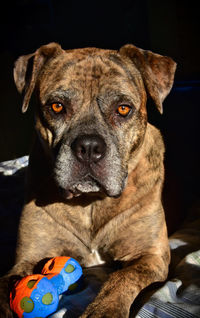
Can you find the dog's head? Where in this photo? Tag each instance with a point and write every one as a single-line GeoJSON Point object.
{"type": "Point", "coordinates": [91, 112]}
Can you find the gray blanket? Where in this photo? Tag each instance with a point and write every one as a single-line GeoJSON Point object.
{"type": "Point", "coordinates": [179, 297]}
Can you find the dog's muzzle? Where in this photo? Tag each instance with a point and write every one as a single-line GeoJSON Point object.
{"type": "Point", "coordinates": [89, 165]}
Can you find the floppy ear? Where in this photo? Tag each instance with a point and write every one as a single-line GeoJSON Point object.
{"type": "Point", "coordinates": [27, 69]}
{"type": "Point", "coordinates": [157, 71]}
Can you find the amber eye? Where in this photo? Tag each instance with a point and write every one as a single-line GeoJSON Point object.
{"type": "Point", "coordinates": [123, 110]}
{"type": "Point", "coordinates": [57, 107]}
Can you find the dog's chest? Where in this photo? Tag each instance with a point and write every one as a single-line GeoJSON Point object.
{"type": "Point", "coordinates": [97, 228]}
{"type": "Point", "coordinates": [87, 222]}
{"type": "Point", "coordinates": [94, 259]}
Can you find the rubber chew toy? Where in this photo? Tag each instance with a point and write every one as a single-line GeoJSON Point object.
{"type": "Point", "coordinates": [37, 296]}
{"type": "Point", "coordinates": [34, 296]}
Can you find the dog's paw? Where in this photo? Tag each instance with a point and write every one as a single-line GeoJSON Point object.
{"type": "Point", "coordinates": [103, 310]}
{"type": "Point", "coordinates": [111, 302]}
{"type": "Point", "coordinates": [104, 314]}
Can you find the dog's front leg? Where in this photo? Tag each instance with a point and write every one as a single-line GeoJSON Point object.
{"type": "Point", "coordinates": [34, 244]}
{"type": "Point", "coordinates": [122, 287]}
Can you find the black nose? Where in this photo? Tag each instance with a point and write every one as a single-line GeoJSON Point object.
{"type": "Point", "coordinates": [89, 148]}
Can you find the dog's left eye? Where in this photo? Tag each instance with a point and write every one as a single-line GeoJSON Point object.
{"type": "Point", "coordinates": [124, 110]}
{"type": "Point", "coordinates": [57, 107]}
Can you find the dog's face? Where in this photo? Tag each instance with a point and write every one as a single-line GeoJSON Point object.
{"type": "Point", "coordinates": [91, 114]}
{"type": "Point", "coordinates": [95, 116]}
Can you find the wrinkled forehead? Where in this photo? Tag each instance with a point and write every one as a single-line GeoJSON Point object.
{"type": "Point", "coordinates": [91, 76]}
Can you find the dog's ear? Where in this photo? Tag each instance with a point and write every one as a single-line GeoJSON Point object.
{"type": "Point", "coordinates": [28, 67]}
{"type": "Point", "coordinates": [157, 71]}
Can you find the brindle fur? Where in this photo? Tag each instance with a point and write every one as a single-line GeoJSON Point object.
{"type": "Point", "coordinates": [118, 212]}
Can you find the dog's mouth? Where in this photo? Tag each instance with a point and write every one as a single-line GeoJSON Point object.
{"type": "Point", "coordinates": [87, 185]}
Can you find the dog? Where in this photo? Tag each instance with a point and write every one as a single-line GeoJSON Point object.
{"type": "Point", "coordinates": [95, 175]}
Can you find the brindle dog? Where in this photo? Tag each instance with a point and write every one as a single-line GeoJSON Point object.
{"type": "Point", "coordinates": [96, 169]}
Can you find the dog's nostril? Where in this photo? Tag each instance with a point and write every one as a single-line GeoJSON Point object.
{"type": "Point", "coordinates": [89, 148]}
{"type": "Point", "coordinates": [83, 150]}
{"type": "Point", "coordinates": [97, 151]}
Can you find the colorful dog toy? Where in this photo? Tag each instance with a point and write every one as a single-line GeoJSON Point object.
{"type": "Point", "coordinates": [37, 296]}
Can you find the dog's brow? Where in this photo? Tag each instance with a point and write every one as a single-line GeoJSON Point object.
{"type": "Point", "coordinates": [114, 97]}
{"type": "Point", "coordinates": [62, 93]}
{"type": "Point", "coordinates": [58, 68]}
{"type": "Point", "coordinates": [115, 59]}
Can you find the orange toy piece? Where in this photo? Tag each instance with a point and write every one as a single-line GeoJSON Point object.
{"type": "Point", "coordinates": [55, 265]}
{"type": "Point", "coordinates": [64, 272]}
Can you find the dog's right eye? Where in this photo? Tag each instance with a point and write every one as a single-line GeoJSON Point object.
{"type": "Point", "coordinates": [124, 110]}
{"type": "Point", "coordinates": [57, 108]}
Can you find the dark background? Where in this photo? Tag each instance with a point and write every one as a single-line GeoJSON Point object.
{"type": "Point", "coordinates": [166, 27]}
